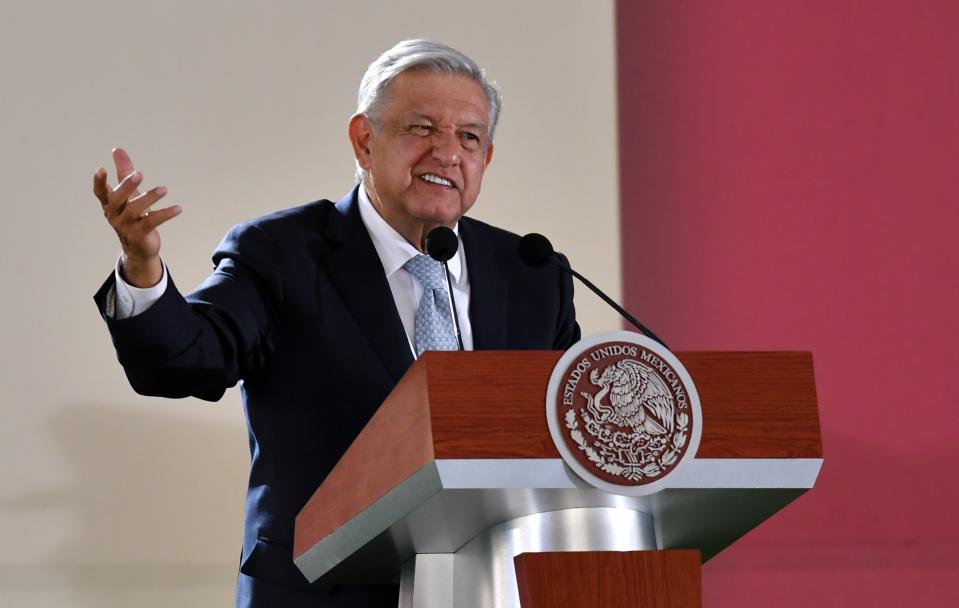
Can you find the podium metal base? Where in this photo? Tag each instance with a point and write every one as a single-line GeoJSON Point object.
{"type": "Point", "coordinates": [481, 573]}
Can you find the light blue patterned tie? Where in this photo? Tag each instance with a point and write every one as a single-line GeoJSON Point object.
{"type": "Point", "coordinates": [434, 321]}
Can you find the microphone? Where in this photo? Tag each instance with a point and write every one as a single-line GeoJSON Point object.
{"type": "Point", "coordinates": [441, 245]}
{"type": "Point", "coordinates": [536, 250]}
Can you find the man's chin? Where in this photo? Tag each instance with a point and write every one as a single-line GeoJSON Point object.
{"type": "Point", "coordinates": [444, 215]}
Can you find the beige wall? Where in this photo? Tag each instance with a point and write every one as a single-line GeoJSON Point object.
{"type": "Point", "coordinates": [111, 499]}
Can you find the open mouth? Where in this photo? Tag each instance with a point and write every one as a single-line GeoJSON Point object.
{"type": "Point", "coordinates": [436, 179]}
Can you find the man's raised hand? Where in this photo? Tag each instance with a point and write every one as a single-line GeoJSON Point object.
{"type": "Point", "coordinates": [128, 212]}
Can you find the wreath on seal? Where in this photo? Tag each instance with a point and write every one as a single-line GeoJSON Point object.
{"type": "Point", "coordinates": [638, 434]}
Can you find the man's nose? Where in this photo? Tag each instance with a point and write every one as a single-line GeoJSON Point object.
{"type": "Point", "coordinates": [446, 148]}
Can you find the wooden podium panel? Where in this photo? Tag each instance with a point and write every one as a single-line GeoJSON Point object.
{"type": "Point", "coordinates": [755, 404]}
{"type": "Point", "coordinates": [590, 579]}
{"type": "Point", "coordinates": [462, 445]}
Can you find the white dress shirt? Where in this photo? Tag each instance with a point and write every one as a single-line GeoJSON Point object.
{"type": "Point", "coordinates": [393, 250]}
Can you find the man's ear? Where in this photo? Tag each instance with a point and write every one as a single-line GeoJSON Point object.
{"type": "Point", "coordinates": [361, 131]}
{"type": "Point", "coordinates": [489, 155]}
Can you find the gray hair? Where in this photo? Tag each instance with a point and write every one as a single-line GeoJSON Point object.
{"type": "Point", "coordinates": [373, 96]}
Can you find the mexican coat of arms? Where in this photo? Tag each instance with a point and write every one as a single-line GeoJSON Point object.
{"type": "Point", "coordinates": [623, 412]}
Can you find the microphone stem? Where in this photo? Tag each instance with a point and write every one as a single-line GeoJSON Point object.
{"type": "Point", "coordinates": [646, 331]}
{"type": "Point", "coordinates": [456, 317]}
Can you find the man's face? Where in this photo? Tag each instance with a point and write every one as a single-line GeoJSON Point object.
{"type": "Point", "coordinates": [425, 164]}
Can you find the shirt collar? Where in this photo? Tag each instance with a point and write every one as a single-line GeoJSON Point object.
{"type": "Point", "coordinates": [394, 250]}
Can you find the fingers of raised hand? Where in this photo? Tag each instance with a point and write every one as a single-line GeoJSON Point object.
{"type": "Point", "coordinates": [124, 191]}
{"type": "Point", "coordinates": [139, 205]}
{"type": "Point", "coordinates": [100, 189]}
{"type": "Point", "coordinates": [135, 218]}
{"type": "Point", "coordinates": [153, 219]}
{"type": "Point", "coordinates": [123, 163]}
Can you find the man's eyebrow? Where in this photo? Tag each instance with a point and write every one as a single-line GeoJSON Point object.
{"type": "Point", "coordinates": [417, 116]}
{"type": "Point", "coordinates": [479, 126]}
{"type": "Point", "coordinates": [414, 116]}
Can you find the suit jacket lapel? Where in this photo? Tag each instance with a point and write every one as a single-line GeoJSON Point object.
{"type": "Point", "coordinates": [358, 275]}
{"type": "Point", "coordinates": [489, 292]}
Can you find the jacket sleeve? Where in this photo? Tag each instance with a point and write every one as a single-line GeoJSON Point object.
{"type": "Point", "coordinates": [567, 329]}
{"type": "Point", "coordinates": [204, 343]}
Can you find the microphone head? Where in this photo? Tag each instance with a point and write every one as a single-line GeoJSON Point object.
{"type": "Point", "coordinates": [441, 243]}
{"type": "Point", "coordinates": [535, 249]}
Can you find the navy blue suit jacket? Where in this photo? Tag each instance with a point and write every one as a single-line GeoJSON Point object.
{"type": "Point", "coordinates": [300, 310]}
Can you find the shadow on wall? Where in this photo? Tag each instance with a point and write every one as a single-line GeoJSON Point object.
{"type": "Point", "coordinates": [155, 501]}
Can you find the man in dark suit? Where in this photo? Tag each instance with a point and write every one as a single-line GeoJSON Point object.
{"type": "Point", "coordinates": [319, 310]}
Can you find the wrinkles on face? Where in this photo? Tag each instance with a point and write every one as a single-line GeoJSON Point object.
{"type": "Point", "coordinates": [425, 165]}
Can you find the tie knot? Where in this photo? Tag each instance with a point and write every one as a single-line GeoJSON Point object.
{"type": "Point", "coordinates": [427, 271]}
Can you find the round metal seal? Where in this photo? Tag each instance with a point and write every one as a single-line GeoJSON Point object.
{"type": "Point", "coordinates": [623, 412]}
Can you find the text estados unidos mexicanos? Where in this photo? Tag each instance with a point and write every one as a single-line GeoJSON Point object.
{"type": "Point", "coordinates": [584, 364]}
{"type": "Point", "coordinates": [569, 388]}
{"type": "Point", "coordinates": [678, 391]}
{"type": "Point", "coordinates": [573, 380]}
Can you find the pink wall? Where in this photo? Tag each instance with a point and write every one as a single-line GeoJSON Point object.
{"type": "Point", "coordinates": [789, 182]}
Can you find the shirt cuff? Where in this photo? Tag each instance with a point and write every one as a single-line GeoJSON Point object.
{"type": "Point", "coordinates": [132, 301]}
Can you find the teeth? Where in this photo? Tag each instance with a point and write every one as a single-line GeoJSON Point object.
{"type": "Point", "coordinates": [435, 179]}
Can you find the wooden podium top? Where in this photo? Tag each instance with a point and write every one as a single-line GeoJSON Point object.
{"type": "Point", "coordinates": [491, 405]}
{"type": "Point", "coordinates": [755, 405]}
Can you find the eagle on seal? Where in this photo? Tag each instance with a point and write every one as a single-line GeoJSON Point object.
{"type": "Point", "coordinates": [638, 397]}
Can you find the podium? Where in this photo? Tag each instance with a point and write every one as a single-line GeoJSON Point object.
{"type": "Point", "coordinates": [455, 489]}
